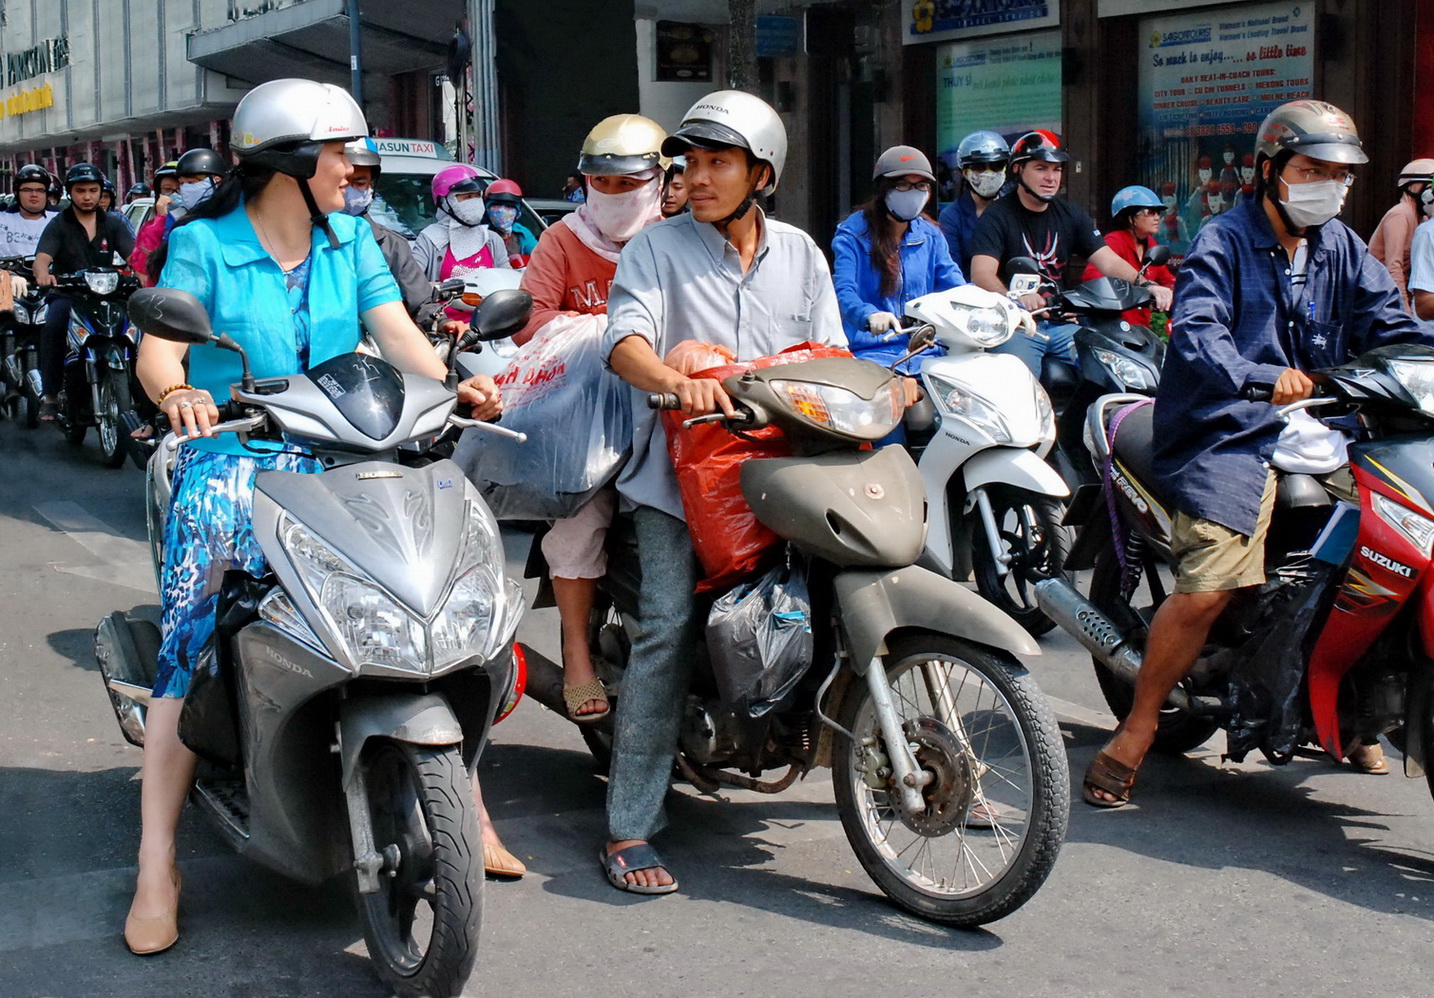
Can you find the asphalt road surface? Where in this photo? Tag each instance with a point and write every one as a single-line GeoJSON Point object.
{"type": "Point", "coordinates": [1220, 879]}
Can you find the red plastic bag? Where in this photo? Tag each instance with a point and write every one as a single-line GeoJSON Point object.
{"type": "Point", "coordinates": [730, 543]}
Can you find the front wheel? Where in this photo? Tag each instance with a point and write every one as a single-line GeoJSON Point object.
{"type": "Point", "coordinates": [109, 421]}
{"type": "Point", "coordinates": [999, 795]}
{"type": "Point", "coordinates": [422, 925]}
{"type": "Point", "coordinates": [1030, 526]}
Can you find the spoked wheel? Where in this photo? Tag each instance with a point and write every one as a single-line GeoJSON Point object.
{"type": "Point", "coordinates": [422, 925]}
{"type": "Point", "coordinates": [109, 421]}
{"type": "Point", "coordinates": [999, 794]}
{"type": "Point", "coordinates": [1030, 526]}
{"type": "Point", "coordinates": [1178, 731]}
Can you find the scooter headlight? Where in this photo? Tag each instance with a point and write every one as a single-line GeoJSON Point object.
{"type": "Point", "coordinates": [1417, 528]}
{"type": "Point", "coordinates": [1417, 377]}
{"type": "Point", "coordinates": [1129, 374]}
{"type": "Point", "coordinates": [22, 314]}
{"type": "Point", "coordinates": [1045, 412]}
{"type": "Point", "coordinates": [102, 282]}
{"type": "Point", "coordinates": [476, 619]}
{"type": "Point", "coordinates": [989, 327]}
{"type": "Point", "coordinates": [962, 403]}
{"type": "Point", "coordinates": [843, 410]}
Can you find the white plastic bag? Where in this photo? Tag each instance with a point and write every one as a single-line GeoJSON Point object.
{"type": "Point", "coordinates": [578, 418]}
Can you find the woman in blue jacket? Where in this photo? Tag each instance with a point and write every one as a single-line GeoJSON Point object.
{"type": "Point", "coordinates": [888, 253]}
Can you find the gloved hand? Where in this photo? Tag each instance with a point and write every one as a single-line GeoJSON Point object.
{"type": "Point", "coordinates": [883, 324]}
{"type": "Point", "coordinates": [18, 285]}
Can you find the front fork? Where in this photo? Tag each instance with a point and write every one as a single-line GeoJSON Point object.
{"type": "Point", "coordinates": [910, 778]}
{"type": "Point", "coordinates": [1000, 557]}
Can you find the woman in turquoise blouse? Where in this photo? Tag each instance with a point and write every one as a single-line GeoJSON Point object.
{"type": "Point", "coordinates": [288, 276]}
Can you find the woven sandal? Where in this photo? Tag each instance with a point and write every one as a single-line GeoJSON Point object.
{"type": "Point", "coordinates": [575, 696]}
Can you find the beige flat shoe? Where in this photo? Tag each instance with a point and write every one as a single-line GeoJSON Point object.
{"type": "Point", "coordinates": [499, 862]}
{"type": "Point", "coordinates": [574, 697]}
{"type": "Point", "coordinates": [155, 934]}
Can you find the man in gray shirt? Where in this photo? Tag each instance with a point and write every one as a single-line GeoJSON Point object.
{"type": "Point", "coordinates": [724, 275]}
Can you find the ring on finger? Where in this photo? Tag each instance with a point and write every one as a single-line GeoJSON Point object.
{"type": "Point", "coordinates": [186, 404]}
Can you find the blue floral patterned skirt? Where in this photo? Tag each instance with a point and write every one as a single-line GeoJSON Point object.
{"type": "Point", "coordinates": [209, 531]}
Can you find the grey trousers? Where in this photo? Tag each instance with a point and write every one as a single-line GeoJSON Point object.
{"type": "Point", "coordinates": [654, 689]}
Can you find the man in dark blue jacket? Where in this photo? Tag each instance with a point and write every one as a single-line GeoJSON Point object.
{"type": "Point", "coordinates": [1269, 291]}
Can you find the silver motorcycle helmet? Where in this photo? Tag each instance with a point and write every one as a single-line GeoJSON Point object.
{"type": "Point", "coordinates": [282, 125]}
{"type": "Point", "coordinates": [733, 119]}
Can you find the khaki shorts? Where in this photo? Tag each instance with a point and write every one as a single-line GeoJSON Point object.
{"type": "Point", "coordinates": [1214, 558]}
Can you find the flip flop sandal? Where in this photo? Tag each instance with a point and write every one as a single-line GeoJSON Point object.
{"type": "Point", "coordinates": [1112, 776]}
{"type": "Point", "coordinates": [575, 696]}
{"type": "Point", "coordinates": [49, 411]}
{"type": "Point", "coordinates": [630, 860]}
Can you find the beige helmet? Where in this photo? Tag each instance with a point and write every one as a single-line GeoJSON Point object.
{"type": "Point", "coordinates": [1416, 171]}
{"type": "Point", "coordinates": [622, 144]}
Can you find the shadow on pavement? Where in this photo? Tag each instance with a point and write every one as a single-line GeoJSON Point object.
{"type": "Point", "coordinates": [1192, 812]}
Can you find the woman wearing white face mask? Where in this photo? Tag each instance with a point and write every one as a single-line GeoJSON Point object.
{"type": "Point", "coordinates": [887, 253]}
{"type": "Point", "coordinates": [983, 158]}
{"type": "Point", "coordinates": [568, 275]}
{"type": "Point", "coordinates": [460, 241]}
{"type": "Point", "coordinates": [200, 170]}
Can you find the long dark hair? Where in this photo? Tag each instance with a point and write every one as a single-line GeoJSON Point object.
{"type": "Point", "coordinates": [241, 183]}
{"type": "Point", "coordinates": [885, 234]}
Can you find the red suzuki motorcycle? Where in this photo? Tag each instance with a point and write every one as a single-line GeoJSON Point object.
{"type": "Point", "coordinates": [1338, 644]}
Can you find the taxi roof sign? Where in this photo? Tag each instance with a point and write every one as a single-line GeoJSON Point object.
{"type": "Point", "coordinates": [421, 148]}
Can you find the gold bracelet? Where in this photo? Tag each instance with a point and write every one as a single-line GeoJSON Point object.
{"type": "Point", "coordinates": [171, 390]}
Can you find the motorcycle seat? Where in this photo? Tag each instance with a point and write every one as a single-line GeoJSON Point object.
{"type": "Point", "coordinates": [1300, 492]}
{"type": "Point", "coordinates": [1132, 447]}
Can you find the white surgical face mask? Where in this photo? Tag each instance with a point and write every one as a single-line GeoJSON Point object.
{"type": "Point", "coordinates": [470, 212]}
{"type": "Point", "coordinates": [906, 205]}
{"type": "Point", "coordinates": [356, 201]}
{"type": "Point", "coordinates": [619, 217]}
{"type": "Point", "coordinates": [1314, 204]}
{"type": "Point", "coordinates": [986, 183]}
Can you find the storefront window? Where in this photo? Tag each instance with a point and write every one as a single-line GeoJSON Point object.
{"type": "Point", "coordinates": [1008, 85]}
{"type": "Point", "coordinates": [1207, 79]}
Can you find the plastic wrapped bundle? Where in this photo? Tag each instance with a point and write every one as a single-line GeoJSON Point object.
{"type": "Point", "coordinates": [577, 416]}
{"type": "Point", "coordinates": [760, 640]}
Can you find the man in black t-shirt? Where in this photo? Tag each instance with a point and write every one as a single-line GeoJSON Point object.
{"type": "Point", "coordinates": [81, 236]}
{"type": "Point", "coordinates": [1031, 221]}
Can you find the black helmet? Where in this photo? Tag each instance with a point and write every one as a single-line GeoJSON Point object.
{"type": "Point", "coordinates": [32, 174]}
{"type": "Point", "coordinates": [1039, 144]}
{"type": "Point", "coordinates": [200, 162]}
{"type": "Point", "coordinates": [83, 173]}
{"type": "Point", "coordinates": [170, 169]}
{"type": "Point", "coordinates": [138, 191]}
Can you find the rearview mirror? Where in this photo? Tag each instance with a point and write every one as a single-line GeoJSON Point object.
{"type": "Point", "coordinates": [502, 313]}
{"type": "Point", "coordinates": [1021, 265]}
{"type": "Point", "coordinates": [1156, 256]}
{"type": "Point", "coordinates": [170, 314]}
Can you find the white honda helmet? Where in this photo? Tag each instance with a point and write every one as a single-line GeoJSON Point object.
{"type": "Point", "coordinates": [733, 119]}
{"type": "Point", "coordinates": [283, 124]}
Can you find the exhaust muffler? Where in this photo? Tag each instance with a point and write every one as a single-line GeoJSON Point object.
{"type": "Point", "coordinates": [1082, 620]}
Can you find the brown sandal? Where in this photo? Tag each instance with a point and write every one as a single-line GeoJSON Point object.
{"type": "Point", "coordinates": [1369, 759]}
{"type": "Point", "coordinates": [1112, 776]}
{"type": "Point", "coordinates": [575, 696]}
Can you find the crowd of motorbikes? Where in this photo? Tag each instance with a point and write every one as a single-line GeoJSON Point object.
{"type": "Point", "coordinates": [351, 690]}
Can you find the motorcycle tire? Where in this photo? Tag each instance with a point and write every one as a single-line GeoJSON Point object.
{"type": "Point", "coordinates": [109, 421]}
{"type": "Point", "coordinates": [1000, 797]}
{"type": "Point", "coordinates": [1178, 732]}
{"type": "Point", "coordinates": [422, 925]}
{"type": "Point", "coordinates": [1030, 524]}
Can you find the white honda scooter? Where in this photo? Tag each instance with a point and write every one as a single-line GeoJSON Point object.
{"type": "Point", "coordinates": [995, 504]}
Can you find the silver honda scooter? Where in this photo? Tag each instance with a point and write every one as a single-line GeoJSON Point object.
{"type": "Point", "coordinates": [347, 695]}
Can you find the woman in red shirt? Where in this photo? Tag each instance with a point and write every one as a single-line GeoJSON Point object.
{"type": "Point", "coordinates": [1135, 214]}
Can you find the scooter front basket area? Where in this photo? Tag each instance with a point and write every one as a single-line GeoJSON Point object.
{"type": "Point", "coordinates": [128, 655]}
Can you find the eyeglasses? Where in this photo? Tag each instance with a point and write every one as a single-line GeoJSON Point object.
{"type": "Point", "coordinates": [906, 185]}
{"type": "Point", "coordinates": [1315, 174]}
{"type": "Point", "coordinates": [33, 190]}
{"type": "Point", "coordinates": [1149, 211]}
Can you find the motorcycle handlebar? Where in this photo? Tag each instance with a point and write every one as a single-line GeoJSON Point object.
{"type": "Point", "coordinates": [1258, 393]}
{"type": "Point", "coordinates": [666, 401]}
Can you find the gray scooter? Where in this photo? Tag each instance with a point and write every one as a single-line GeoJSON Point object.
{"type": "Point", "coordinates": [347, 695]}
{"type": "Point", "coordinates": [948, 769]}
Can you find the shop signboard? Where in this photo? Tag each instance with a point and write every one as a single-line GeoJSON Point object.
{"type": "Point", "coordinates": [942, 20]}
{"type": "Point", "coordinates": [1206, 81]}
{"type": "Point", "coordinates": [778, 37]}
{"type": "Point", "coordinates": [1008, 85]}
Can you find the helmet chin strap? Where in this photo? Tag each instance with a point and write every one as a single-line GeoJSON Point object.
{"type": "Point", "coordinates": [1293, 231]}
{"type": "Point", "coordinates": [741, 210]}
{"type": "Point", "coordinates": [318, 218]}
{"type": "Point", "coordinates": [1044, 198]}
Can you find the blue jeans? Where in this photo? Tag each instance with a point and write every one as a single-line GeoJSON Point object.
{"type": "Point", "coordinates": [654, 689]}
{"type": "Point", "coordinates": [1032, 349]}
